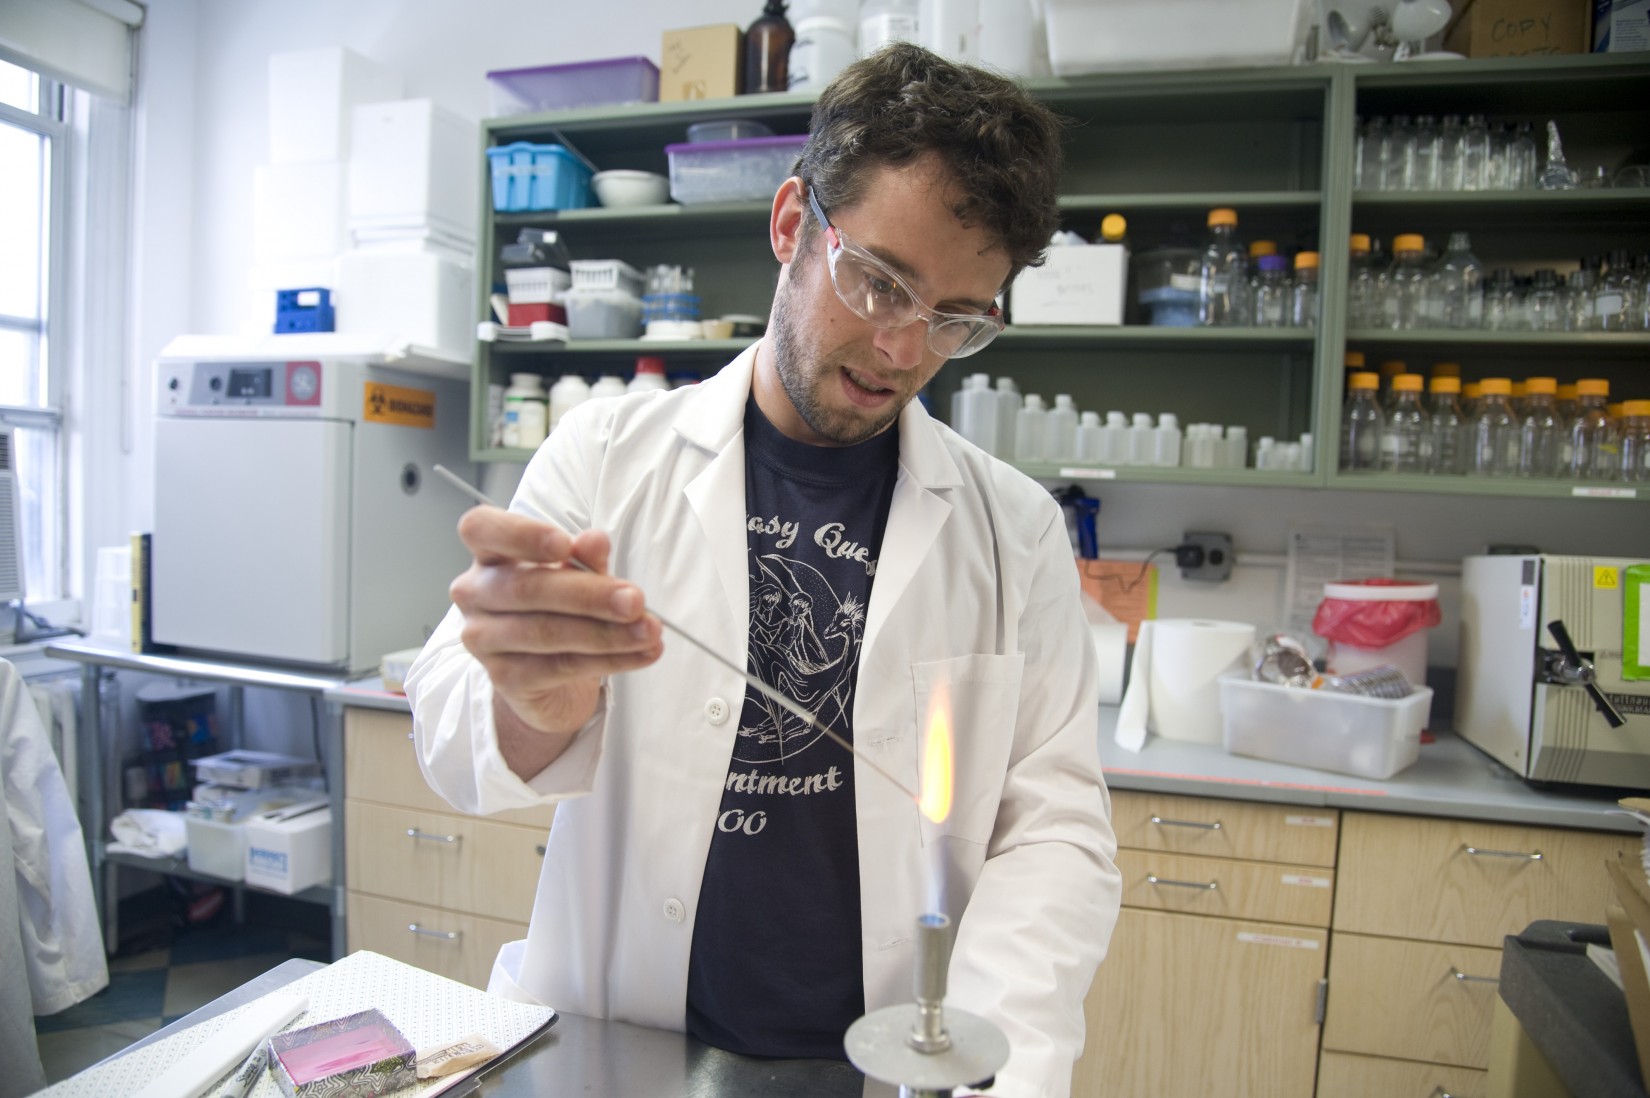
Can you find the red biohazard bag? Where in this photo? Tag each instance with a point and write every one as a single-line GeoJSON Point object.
{"type": "Point", "coordinates": [1375, 613]}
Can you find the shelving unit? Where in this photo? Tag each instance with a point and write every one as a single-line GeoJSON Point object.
{"type": "Point", "coordinates": [1163, 149]}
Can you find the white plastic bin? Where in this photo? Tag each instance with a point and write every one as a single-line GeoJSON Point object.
{"type": "Point", "coordinates": [216, 848]}
{"type": "Point", "coordinates": [607, 274]}
{"type": "Point", "coordinates": [749, 170]}
{"type": "Point", "coordinates": [603, 314]}
{"type": "Point", "coordinates": [1084, 36]}
{"type": "Point", "coordinates": [1323, 729]}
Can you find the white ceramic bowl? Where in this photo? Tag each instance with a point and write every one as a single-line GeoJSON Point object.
{"type": "Point", "coordinates": [624, 187]}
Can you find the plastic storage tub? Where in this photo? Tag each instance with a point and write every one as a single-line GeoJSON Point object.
{"type": "Point", "coordinates": [731, 171]}
{"type": "Point", "coordinates": [603, 314]}
{"type": "Point", "coordinates": [527, 176]}
{"type": "Point", "coordinates": [1323, 729]}
{"type": "Point", "coordinates": [218, 849]}
{"type": "Point", "coordinates": [602, 83]}
{"type": "Point", "coordinates": [253, 769]}
{"type": "Point", "coordinates": [606, 274]}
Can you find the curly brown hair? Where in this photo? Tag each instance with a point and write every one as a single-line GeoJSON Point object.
{"type": "Point", "coordinates": [1001, 146]}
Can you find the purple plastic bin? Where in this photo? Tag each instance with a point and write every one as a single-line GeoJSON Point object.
{"type": "Point", "coordinates": [609, 82]}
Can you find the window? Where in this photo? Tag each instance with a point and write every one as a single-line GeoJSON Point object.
{"type": "Point", "coordinates": [32, 195]}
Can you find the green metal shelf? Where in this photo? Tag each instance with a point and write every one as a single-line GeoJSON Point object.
{"type": "Point", "coordinates": [1147, 474]}
{"type": "Point", "coordinates": [1572, 341]}
{"type": "Point", "coordinates": [652, 218]}
{"type": "Point", "coordinates": [1139, 335]}
{"type": "Point", "coordinates": [726, 348]}
{"type": "Point", "coordinates": [1489, 486]}
{"type": "Point", "coordinates": [1193, 200]}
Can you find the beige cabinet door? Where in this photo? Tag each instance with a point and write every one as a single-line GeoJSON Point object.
{"type": "Point", "coordinates": [1344, 1076]}
{"type": "Point", "coordinates": [1226, 887]}
{"type": "Point", "coordinates": [1465, 880]}
{"type": "Point", "coordinates": [459, 947]}
{"type": "Point", "coordinates": [1189, 1005]}
{"type": "Point", "coordinates": [463, 863]}
{"type": "Point", "coordinates": [1416, 1000]}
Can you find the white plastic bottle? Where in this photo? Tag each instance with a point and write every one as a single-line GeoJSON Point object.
{"type": "Point", "coordinates": [1142, 440]}
{"type": "Point", "coordinates": [569, 391]}
{"type": "Point", "coordinates": [1263, 451]}
{"type": "Point", "coordinates": [885, 21]}
{"type": "Point", "coordinates": [1307, 453]}
{"type": "Point", "coordinates": [1060, 430]}
{"type": "Point", "coordinates": [526, 416]}
{"type": "Point", "coordinates": [1091, 438]}
{"type": "Point", "coordinates": [650, 375]}
{"type": "Point", "coordinates": [608, 385]}
{"type": "Point", "coordinates": [1237, 447]}
{"type": "Point", "coordinates": [1008, 415]}
{"type": "Point", "coordinates": [1005, 40]}
{"type": "Point", "coordinates": [951, 28]}
{"type": "Point", "coordinates": [1029, 429]}
{"type": "Point", "coordinates": [1114, 441]}
{"type": "Point", "coordinates": [1167, 443]}
{"type": "Point", "coordinates": [824, 46]}
{"type": "Point", "coordinates": [974, 412]}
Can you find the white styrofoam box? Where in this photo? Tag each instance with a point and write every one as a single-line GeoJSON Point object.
{"type": "Point", "coordinates": [1323, 729]}
{"type": "Point", "coordinates": [1078, 284]}
{"type": "Point", "coordinates": [414, 162]}
{"type": "Point", "coordinates": [424, 236]}
{"type": "Point", "coordinates": [311, 96]}
{"type": "Point", "coordinates": [426, 298]}
{"type": "Point", "coordinates": [1130, 34]}
{"type": "Point", "coordinates": [297, 210]}
{"type": "Point", "coordinates": [216, 848]}
{"type": "Point", "coordinates": [289, 856]}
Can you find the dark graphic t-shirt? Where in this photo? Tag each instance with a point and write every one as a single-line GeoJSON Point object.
{"type": "Point", "coordinates": [775, 968]}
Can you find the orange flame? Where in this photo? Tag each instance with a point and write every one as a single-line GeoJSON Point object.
{"type": "Point", "coordinates": [936, 761]}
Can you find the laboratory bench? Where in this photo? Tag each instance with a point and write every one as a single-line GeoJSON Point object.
{"type": "Point", "coordinates": [1285, 931]}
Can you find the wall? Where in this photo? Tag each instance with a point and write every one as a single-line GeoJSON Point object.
{"type": "Point", "coordinates": [203, 129]}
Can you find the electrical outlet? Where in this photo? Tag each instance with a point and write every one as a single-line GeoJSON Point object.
{"type": "Point", "coordinates": [1217, 557]}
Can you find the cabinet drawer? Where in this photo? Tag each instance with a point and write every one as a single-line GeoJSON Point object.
{"type": "Point", "coordinates": [1409, 877]}
{"type": "Point", "coordinates": [1190, 1005]}
{"type": "Point", "coordinates": [381, 764]}
{"type": "Point", "coordinates": [462, 863]}
{"type": "Point", "coordinates": [1227, 887]}
{"type": "Point", "coordinates": [1389, 997]}
{"type": "Point", "coordinates": [386, 926]}
{"type": "Point", "coordinates": [1225, 829]}
{"type": "Point", "coordinates": [1343, 1076]}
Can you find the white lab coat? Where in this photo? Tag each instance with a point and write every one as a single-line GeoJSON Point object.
{"type": "Point", "coordinates": [975, 592]}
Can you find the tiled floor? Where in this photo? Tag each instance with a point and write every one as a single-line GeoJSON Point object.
{"type": "Point", "coordinates": [163, 972]}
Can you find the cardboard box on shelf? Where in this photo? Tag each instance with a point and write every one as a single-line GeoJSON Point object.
{"type": "Point", "coordinates": [700, 62]}
{"type": "Point", "coordinates": [1077, 284]}
{"type": "Point", "coordinates": [1621, 26]}
{"type": "Point", "coordinates": [1519, 28]}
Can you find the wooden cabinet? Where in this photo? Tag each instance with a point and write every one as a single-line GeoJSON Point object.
{"type": "Point", "coordinates": [1421, 908]}
{"type": "Point", "coordinates": [1212, 982]}
{"type": "Point", "coordinates": [428, 885]}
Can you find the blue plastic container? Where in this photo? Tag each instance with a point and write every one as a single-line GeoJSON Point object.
{"type": "Point", "coordinates": [303, 310]}
{"type": "Point", "coordinates": [527, 176]}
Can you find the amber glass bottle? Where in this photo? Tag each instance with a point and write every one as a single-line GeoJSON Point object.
{"type": "Point", "coordinates": [768, 50]}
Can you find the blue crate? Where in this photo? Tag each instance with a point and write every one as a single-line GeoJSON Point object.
{"type": "Point", "coordinates": [303, 310]}
{"type": "Point", "coordinates": [527, 176]}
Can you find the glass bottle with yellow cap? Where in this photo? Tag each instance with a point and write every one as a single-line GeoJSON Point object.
{"type": "Point", "coordinates": [1303, 300]}
{"type": "Point", "coordinates": [1635, 441]}
{"type": "Point", "coordinates": [1447, 428]}
{"type": "Point", "coordinates": [1362, 424]}
{"type": "Point", "coordinates": [1221, 271]}
{"type": "Point", "coordinates": [1361, 299]}
{"type": "Point", "coordinates": [1405, 442]}
{"type": "Point", "coordinates": [1495, 431]}
{"type": "Point", "coordinates": [1403, 284]}
{"type": "Point", "coordinates": [1594, 453]}
{"type": "Point", "coordinates": [1541, 434]}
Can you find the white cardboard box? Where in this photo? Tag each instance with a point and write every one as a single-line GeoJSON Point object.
{"type": "Point", "coordinates": [297, 211]}
{"type": "Point", "coordinates": [291, 855]}
{"type": "Point", "coordinates": [1078, 284]}
{"type": "Point", "coordinates": [311, 94]}
{"type": "Point", "coordinates": [412, 162]}
{"type": "Point", "coordinates": [422, 297]}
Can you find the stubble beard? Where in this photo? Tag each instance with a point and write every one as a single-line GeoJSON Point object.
{"type": "Point", "coordinates": [803, 375]}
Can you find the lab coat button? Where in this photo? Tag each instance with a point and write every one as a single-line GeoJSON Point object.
{"type": "Point", "coordinates": [674, 911]}
{"type": "Point", "coordinates": [716, 711]}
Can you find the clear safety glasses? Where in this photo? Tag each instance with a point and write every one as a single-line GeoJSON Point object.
{"type": "Point", "coordinates": [875, 292]}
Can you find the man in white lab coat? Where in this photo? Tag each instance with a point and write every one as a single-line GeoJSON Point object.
{"type": "Point", "coordinates": [716, 865]}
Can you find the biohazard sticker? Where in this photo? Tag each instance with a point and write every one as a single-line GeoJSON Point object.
{"type": "Point", "coordinates": [401, 407]}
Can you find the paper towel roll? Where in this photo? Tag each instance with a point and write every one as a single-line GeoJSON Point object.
{"type": "Point", "coordinates": [1188, 656]}
{"type": "Point", "coordinates": [1111, 646]}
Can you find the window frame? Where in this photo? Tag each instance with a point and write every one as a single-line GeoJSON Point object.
{"type": "Point", "coordinates": [51, 121]}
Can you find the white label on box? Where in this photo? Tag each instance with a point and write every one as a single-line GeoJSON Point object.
{"type": "Point", "coordinates": [1526, 607]}
{"type": "Point", "coordinates": [1305, 881]}
{"type": "Point", "coordinates": [1605, 493]}
{"type": "Point", "coordinates": [1091, 474]}
{"type": "Point", "coordinates": [1193, 283]}
{"type": "Point", "coordinates": [1277, 940]}
{"type": "Point", "coordinates": [271, 863]}
{"type": "Point", "coordinates": [1310, 821]}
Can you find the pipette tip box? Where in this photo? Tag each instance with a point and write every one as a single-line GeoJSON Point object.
{"type": "Point", "coordinates": [356, 1056]}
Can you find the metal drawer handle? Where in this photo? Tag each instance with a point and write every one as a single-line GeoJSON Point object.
{"type": "Point", "coordinates": [1478, 851]}
{"type": "Point", "coordinates": [1462, 977]}
{"type": "Point", "coordinates": [1152, 878]}
{"type": "Point", "coordinates": [414, 833]}
{"type": "Point", "coordinates": [409, 735]}
{"type": "Point", "coordinates": [1161, 822]}
{"type": "Point", "coordinates": [540, 848]}
{"type": "Point", "coordinates": [444, 935]}
{"type": "Point", "coordinates": [1440, 1092]}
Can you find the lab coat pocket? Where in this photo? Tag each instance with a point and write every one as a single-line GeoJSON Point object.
{"type": "Point", "coordinates": [979, 695]}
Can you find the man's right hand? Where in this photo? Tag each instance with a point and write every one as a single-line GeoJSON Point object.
{"type": "Point", "coordinates": [545, 630]}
